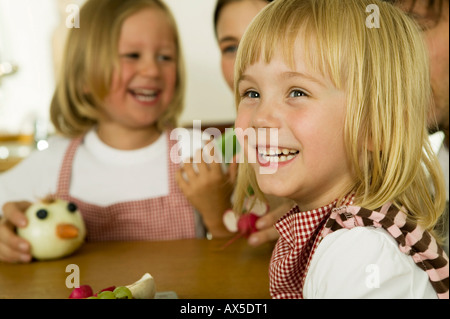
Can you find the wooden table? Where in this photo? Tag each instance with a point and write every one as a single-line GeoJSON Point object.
{"type": "Point", "coordinates": [193, 269]}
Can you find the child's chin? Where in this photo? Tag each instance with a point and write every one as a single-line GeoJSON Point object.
{"type": "Point", "coordinates": [271, 188]}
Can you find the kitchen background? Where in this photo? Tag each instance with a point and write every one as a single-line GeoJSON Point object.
{"type": "Point", "coordinates": [32, 35]}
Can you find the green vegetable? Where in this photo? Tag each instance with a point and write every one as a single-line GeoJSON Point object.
{"type": "Point", "coordinates": [123, 293]}
{"type": "Point", "coordinates": [106, 295]}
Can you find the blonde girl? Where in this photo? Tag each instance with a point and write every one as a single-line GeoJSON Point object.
{"type": "Point", "coordinates": [211, 188]}
{"type": "Point", "coordinates": [120, 92]}
{"type": "Point", "coordinates": [349, 99]}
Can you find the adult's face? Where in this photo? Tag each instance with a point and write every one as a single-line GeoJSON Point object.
{"type": "Point", "coordinates": [434, 21]}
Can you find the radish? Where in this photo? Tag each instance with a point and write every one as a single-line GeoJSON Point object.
{"type": "Point", "coordinates": [230, 221]}
{"type": "Point", "coordinates": [84, 291]}
{"type": "Point", "coordinates": [246, 226]}
{"type": "Point", "coordinates": [259, 208]}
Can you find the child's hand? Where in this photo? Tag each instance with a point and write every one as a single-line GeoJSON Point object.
{"type": "Point", "coordinates": [209, 190]}
{"type": "Point", "coordinates": [13, 248]}
{"type": "Point", "coordinates": [266, 232]}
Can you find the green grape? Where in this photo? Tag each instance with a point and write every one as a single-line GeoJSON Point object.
{"type": "Point", "coordinates": [92, 297]}
{"type": "Point", "coordinates": [123, 293]}
{"type": "Point", "coordinates": [106, 295]}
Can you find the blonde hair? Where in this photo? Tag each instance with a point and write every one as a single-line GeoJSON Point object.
{"type": "Point", "coordinates": [384, 72]}
{"type": "Point", "coordinates": [91, 56]}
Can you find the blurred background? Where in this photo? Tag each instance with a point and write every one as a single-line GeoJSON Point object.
{"type": "Point", "coordinates": [32, 36]}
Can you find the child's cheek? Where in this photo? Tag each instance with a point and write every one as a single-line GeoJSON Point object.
{"type": "Point", "coordinates": [241, 123]}
{"type": "Point", "coordinates": [171, 83]}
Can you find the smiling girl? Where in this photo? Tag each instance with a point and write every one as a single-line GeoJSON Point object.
{"type": "Point", "coordinates": [120, 92]}
{"type": "Point", "coordinates": [349, 105]}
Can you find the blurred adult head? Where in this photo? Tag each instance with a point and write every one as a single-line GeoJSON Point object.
{"type": "Point", "coordinates": [433, 17]}
{"type": "Point", "coordinates": [231, 18]}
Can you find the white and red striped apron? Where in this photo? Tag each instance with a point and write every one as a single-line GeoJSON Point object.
{"type": "Point", "coordinates": [162, 218]}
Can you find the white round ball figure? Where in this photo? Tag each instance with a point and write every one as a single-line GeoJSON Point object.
{"type": "Point", "coordinates": [55, 229]}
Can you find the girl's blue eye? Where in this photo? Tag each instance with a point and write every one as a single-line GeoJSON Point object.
{"type": "Point", "coordinates": [252, 94]}
{"type": "Point", "coordinates": [297, 93]}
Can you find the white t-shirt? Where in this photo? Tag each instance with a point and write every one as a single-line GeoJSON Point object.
{"type": "Point", "coordinates": [101, 175]}
{"type": "Point", "coordinates": [437, 142]}
{"type": "Point", "coordinates": [364, 263]}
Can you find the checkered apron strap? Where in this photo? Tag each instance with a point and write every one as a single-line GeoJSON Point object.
{"type": "Point", "coordinates": [412, 239]}
{"type": "Point", "coordinates": [65, 171]}
{"type": "Point", "coordinates": [163, 218]}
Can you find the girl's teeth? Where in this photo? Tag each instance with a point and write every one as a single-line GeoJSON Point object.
{"type": "Point", "coordinates": [144, 95]}
{"type": "Point", "coordinates": [144, 98]}
{"type": "Point", "coordinates": [278, 152]}
{"type": "Point", "coordinates": [277, 155]}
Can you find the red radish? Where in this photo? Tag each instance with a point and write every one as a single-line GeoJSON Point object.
{"type": "Point", "coordinates": [252, 206]}
{"type": "Point", "coordinates": [84, 291]}
{"type": "Point", "coordinates": [256, 206]}
{"type": "Point", "coordinates": [246, 226]}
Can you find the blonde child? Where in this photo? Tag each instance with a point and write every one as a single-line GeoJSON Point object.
{"type": "Point", "coordinates": [348, 99]}
{"type": "Point", "coordinates": [120, 92]}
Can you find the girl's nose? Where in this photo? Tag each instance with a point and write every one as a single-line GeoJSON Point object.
{"type": "Point", "coordinates": [266, 115]}
{"type": "Point", "coordinates": [150, 68]}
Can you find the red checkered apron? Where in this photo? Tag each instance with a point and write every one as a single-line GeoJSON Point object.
{"type": "Point", "coordinates": [162, 218]}
{"type": "Point", "coordinates": [299, 238]}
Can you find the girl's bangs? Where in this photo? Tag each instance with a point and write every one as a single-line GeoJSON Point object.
{"type": "Point", "coordinates": [270, 34]}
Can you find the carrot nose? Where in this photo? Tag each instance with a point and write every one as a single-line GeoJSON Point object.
{"type": "Point", "coordinates": [66, 231]}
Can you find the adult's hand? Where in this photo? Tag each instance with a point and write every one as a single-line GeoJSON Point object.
{"type": "Point", "coordinates": [265, 224]}
{"type": "Point", "coordinates": [208, 188]}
